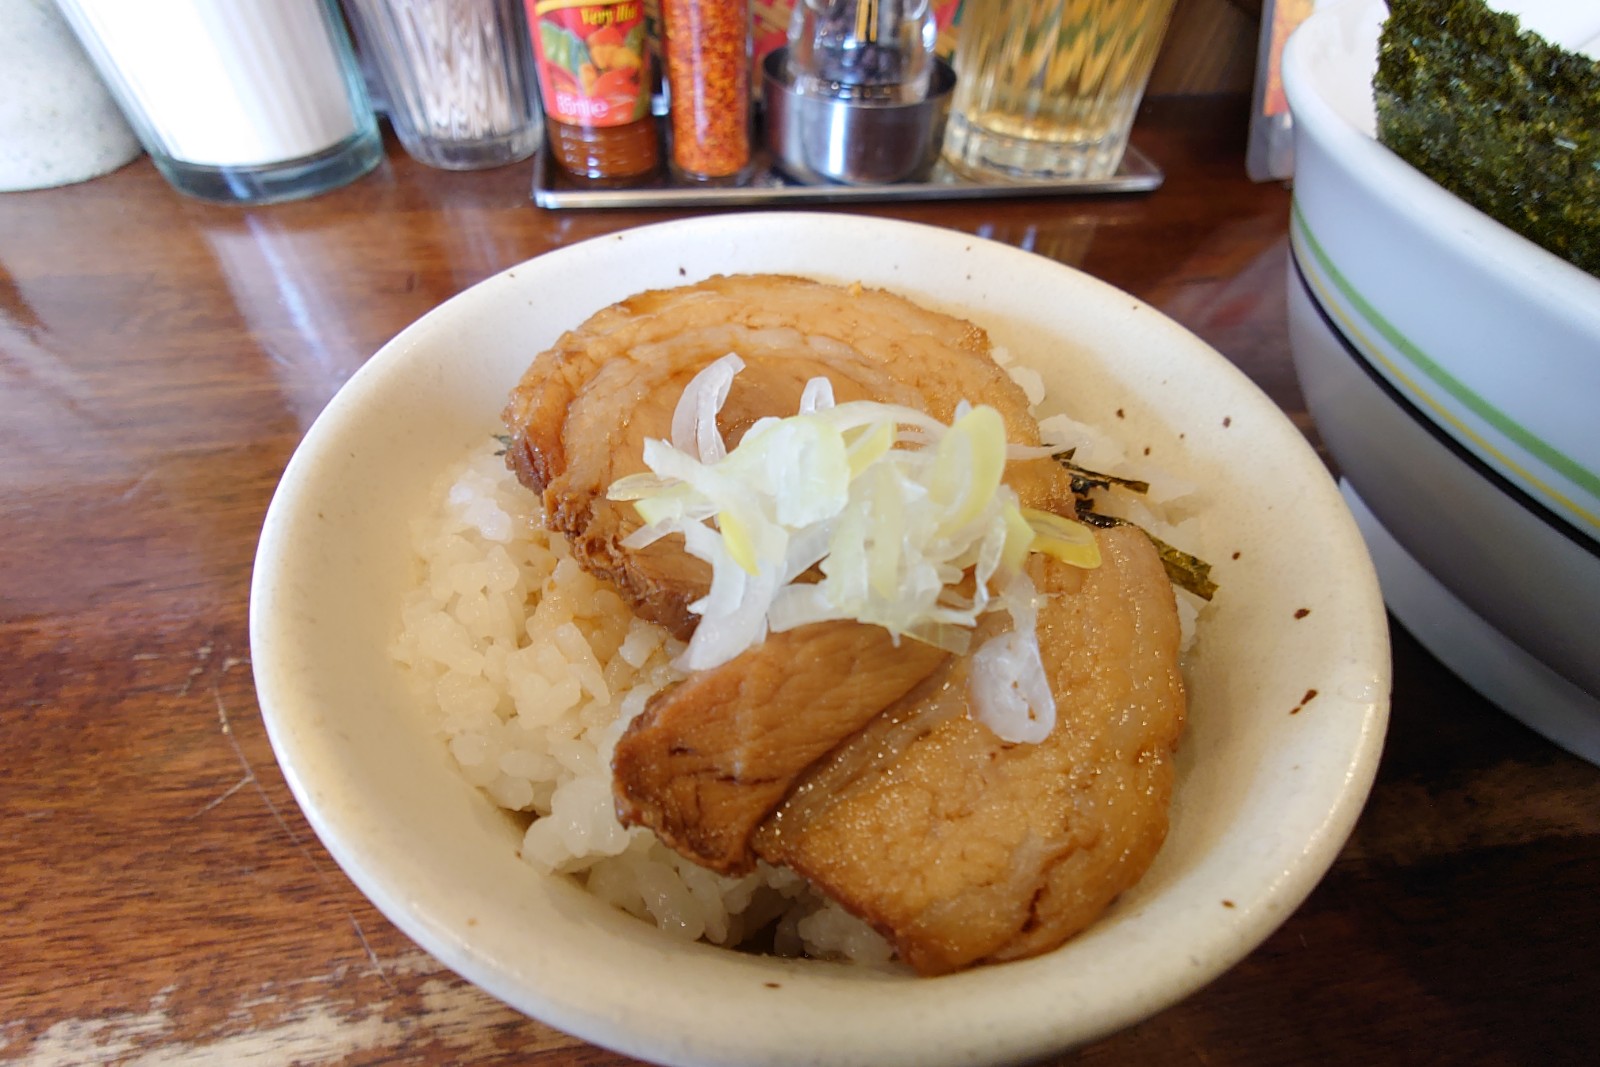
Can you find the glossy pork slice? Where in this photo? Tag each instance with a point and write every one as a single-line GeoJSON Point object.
{"type": "Point", "coordinates": [580, 416]}
{"type": "Point", "coordinates": [963, 849]}
{"type": "Point", "coordinates": [711, 757]}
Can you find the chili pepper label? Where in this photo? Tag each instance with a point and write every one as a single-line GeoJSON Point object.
{"type": "Point", "coordinates": [593, 69]}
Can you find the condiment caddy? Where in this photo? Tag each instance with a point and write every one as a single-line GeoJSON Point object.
{"type": "Point", "coordinates": [769, 186]}
{"type": "Point", "coordinates": [852, 109]}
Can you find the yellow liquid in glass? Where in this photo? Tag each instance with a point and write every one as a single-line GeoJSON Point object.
{"type": "Point", "coordinates": [1048, 90]}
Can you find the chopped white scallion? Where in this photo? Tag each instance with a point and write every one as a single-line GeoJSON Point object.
{"type": "Point", "coordinates": [694, 421]}
{"type": "Point", "coordinates": [894, 508]}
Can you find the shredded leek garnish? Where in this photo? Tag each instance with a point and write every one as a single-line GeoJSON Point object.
{"type": "Point", "coordinates": [891, 517]}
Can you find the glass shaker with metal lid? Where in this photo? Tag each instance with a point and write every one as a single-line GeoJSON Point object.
{"type": "Point", "coordinates": [871, 51]}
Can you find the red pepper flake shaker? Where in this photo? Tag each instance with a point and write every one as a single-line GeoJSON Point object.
{"type": "Point", "coordinates": [708, 54]}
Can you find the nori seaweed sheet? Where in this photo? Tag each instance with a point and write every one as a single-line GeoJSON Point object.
{"type": "Point", "coordinates": [1503, 119]}
{"type": "Point", "coordinates": [1183, 570]}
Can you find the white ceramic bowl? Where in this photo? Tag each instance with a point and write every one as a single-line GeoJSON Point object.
{"type": "Point", "coordinates": [1269, 784]}
{"type": "Point", "coordinates": [1451, 366]}
{"type": "Point", "coordinates": [1490, 334]}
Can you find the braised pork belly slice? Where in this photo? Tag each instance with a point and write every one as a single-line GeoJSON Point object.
{"type": "Point", "coordinates": [580, 416]}
{"type": "Point", "coordinates": [964, 849]}
{"type": "Point", "coordinates": [712, 756]}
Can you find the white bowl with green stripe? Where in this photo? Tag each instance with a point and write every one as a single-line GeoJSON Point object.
{"type": "Point", "coordinates": [1495, 338]}
{"type": "Point", "coordinates": [1453, 367]}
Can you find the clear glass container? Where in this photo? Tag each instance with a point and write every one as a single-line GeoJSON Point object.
{"type": "Point", "coordinates": [235, 100]}
{"type": "Point", "coordinates": [1047, 91]}
{"type": "Point", "coordinates": [870, 51]}
{"type": "Point", "coordinates": [457, 77]}
{"type": "Point", "coordinates": [709, 53]}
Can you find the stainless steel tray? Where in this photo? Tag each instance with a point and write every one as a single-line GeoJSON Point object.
{"type": "Point", "coordinates": [553, 188]}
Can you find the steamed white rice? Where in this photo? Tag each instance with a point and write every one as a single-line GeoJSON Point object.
{"type": "Point", "coordinates": [535, 669]}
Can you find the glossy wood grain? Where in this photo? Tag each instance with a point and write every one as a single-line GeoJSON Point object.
{"type": "Point", "coordinates": [164, 900]}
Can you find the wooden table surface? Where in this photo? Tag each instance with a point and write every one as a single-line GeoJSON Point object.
{"type": "Point", "coordinates": [163, 899]}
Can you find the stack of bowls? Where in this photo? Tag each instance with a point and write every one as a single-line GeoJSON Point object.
{"type": "Point", "coordinates": [1452, 368]}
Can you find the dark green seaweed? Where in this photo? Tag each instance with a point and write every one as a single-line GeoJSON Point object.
{"type": "Point", "coordinates": [1183, 570]}
{"type": "Point", "coordinates": [1502, 118]}
{"type": "Point", "coordinates": [1084, 479]}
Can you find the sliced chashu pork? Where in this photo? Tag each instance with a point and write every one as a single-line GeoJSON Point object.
{"type": "Point", "coordinates": [964, 849]}
{"type": "Point", "coordinates": [1028, 857]}
{"type": "Point", "coordinates": [580, 415]}
{"type": "Point", "coordinates": [712, 756]}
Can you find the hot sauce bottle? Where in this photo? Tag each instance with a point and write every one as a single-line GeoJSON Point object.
{"type": "Point", "coordinates": [594, 76]}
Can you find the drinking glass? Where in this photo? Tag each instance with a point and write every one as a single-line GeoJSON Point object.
{"type": "Point", "coordinates": [235, 100]}
{"type": "Point", "coordinates": [1046, 90]}
{"type": "Point", "coordinates": [457, 76]}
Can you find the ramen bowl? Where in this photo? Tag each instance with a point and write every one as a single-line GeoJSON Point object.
{"type": "Point", "coordinates": [1450, 366]}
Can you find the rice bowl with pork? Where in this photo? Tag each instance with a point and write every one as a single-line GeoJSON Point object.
{"type": "Point", "coordinates": [1263, 799]}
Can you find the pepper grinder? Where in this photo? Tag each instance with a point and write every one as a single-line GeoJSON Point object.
{"type": "Point", "coordinates": [869, 51]}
